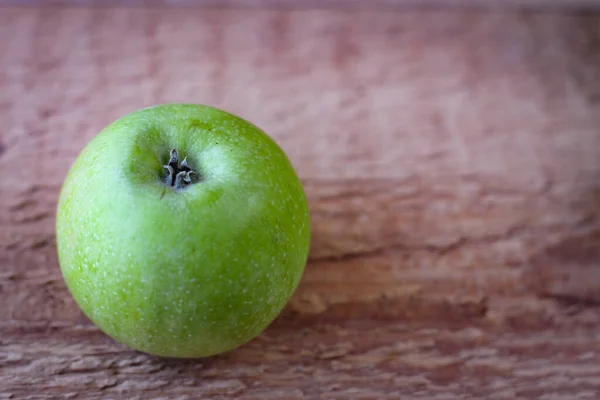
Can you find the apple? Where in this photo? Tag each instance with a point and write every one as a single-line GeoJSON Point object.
{"type": "Point", "coordinates": [182, 230]}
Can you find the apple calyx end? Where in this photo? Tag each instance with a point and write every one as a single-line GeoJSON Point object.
{"type": "Point", "coordinates": [179, 174]}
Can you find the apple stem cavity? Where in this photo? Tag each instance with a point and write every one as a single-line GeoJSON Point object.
{"type": "Point", "coordinates": [179, 175]}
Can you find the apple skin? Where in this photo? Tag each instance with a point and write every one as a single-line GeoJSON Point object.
{"type": "Point", "coordinates": [189, 272]}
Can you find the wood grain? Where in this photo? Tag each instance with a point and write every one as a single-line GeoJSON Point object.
{"type": "Point", "coordinates": [451, 162]}
{"type": "Point", "coordinates": [364, 360]}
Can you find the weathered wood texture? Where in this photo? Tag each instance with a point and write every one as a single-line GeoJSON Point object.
{"type": "Point", "coordinates": [452, 165]}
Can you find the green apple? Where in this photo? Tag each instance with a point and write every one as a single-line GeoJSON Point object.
{"type": "Point", "coordinates": [182, 230]}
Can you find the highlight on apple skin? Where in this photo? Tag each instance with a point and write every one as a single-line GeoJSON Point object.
{"type": "Point", "coordinates": [182, 230]}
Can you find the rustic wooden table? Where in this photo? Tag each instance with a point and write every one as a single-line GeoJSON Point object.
{"type": "Point", "coordinates": [451, 160]}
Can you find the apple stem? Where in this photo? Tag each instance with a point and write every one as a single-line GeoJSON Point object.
{"type": "Point", "coordinates": [179, 175]}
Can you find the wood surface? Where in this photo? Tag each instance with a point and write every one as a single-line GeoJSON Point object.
{"type": "Point", "coordinates": [451, 161]}
{"type": "Point", "coordinates": [378, 5]}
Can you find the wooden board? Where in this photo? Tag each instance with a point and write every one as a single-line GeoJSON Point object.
{"type": "Point", "coordinates": [535, 5]}
{"type": "Point", "coordinates": [451, 162]}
